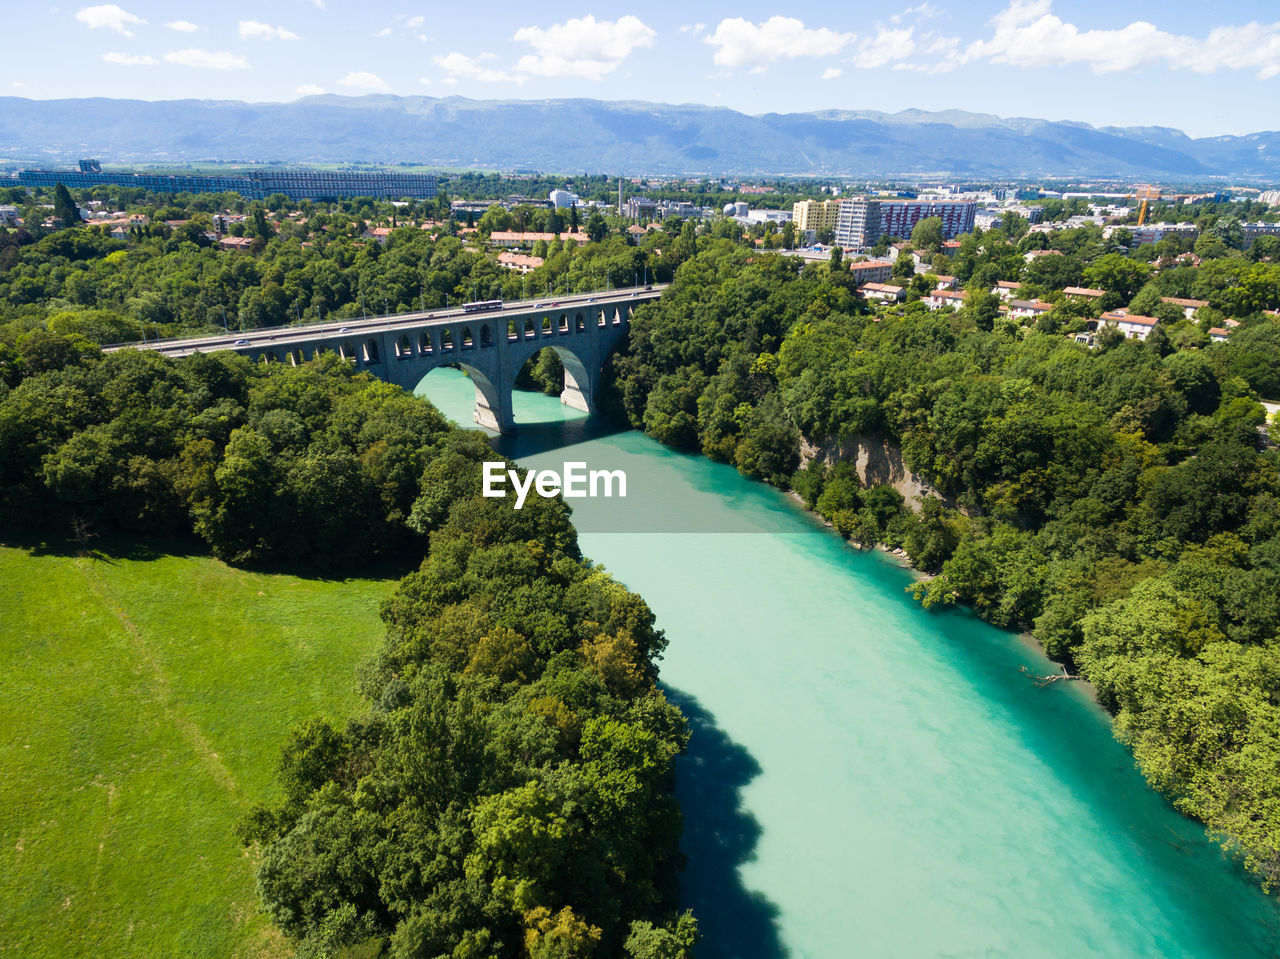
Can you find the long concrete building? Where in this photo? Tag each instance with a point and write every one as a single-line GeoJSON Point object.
{"type": "Point", "coordinates": [254, 185]}
{"type": "Point", "coordinates": [863, 221]}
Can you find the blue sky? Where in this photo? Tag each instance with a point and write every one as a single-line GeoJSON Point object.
{"type": "Point", "coordinates": [1205, 68]}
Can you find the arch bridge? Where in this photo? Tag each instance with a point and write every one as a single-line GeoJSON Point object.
{"type": "Point", "coordinates": [491, 345]}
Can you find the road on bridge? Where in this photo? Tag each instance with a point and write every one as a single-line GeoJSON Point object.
{"type": "Point", "coordinates": [284, 336]}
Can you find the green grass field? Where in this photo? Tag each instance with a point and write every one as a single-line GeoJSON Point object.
{"type": "Point", "coordinates": [143, 700]}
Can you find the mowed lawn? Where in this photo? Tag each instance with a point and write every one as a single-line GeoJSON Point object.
{"type": "Point", "coordinates": [143, 701]}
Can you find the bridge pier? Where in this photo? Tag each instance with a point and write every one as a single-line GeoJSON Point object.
{"type": "Point", "coordinates": [579, 383]}
{"type": "Point", "coordinates": [499, 419]}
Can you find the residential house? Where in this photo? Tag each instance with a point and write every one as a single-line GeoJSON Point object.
{"type": "Point", "coordinates": [870, 271]}
{"type": "Point", "coordinates": [519, 261]}
{"type": "Point", "coordinates": [510, 240]}
{"type": "Point", "coordinates": [945, 282]}
{"type": "Point", "coordinates": [1036, 254]}
{"type": "Point", "coordinates": [1006, 289]}
{"type": "Point", "coordinates": [1028, 309]}
{"type": "Point", "coordinates": [884, 292]}
{"type": "Point", "coordinates": [1218, 335]}
{"type": "Point", "coordinates": [899, 249]}
{"type": "Point", "coordinates": [1084, 293]}
{"type": "Point", "coordinates": [941, 299]}
{"type": "Point", "coordinates": [1188, 307]}
{"type": "Point", "coordinates": [1134, 327]}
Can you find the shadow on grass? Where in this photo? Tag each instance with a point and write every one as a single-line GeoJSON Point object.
{"type": "Point", "coordinates": [115, 548]}
{"type": "Point", "coordinates": [719, 837]}
{"type": "Point", "coordinates": [106, 548]}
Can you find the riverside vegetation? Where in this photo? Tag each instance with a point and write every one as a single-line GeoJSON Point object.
{"type": "Point", "coordinates": [1119, 503]}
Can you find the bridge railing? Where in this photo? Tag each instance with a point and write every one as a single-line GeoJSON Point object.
{"type": "Point", "coordinates": [354, 325]}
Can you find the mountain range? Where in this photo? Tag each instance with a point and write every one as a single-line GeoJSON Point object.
{"type": "Point", "coordinates": [632, 137]}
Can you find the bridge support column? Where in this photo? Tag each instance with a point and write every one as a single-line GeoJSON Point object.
{"type": "Point", "coordinates": [581, 373]}
{"type": "Point", "coordinates": [493, 410]}
{"type": "Point", "coordinates": [576, 394]}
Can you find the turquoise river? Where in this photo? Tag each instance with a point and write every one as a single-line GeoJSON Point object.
{"type": "Point", "coordinates": [865, 778]}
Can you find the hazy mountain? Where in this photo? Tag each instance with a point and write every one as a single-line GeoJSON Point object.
{"type": "Point", "coordinates": [594, 135]}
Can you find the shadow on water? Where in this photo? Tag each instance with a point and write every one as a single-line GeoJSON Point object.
{"type": "Point", "coordinates": [530, 439]}
{"type": "Point", "coordinates": [719, 837]}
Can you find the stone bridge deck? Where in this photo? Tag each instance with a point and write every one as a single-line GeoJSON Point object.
{"type": "Point", "coordinates": [491, 345]}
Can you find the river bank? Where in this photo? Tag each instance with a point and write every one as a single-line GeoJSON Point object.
{"type": "Point", "coordinates": [866, 775]}
{"type": "Point", "coordinates": [897, 553]}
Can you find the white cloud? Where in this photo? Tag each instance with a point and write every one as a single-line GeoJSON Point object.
{"type": "Point", "coordinates": [832, 73]}
{"type": "Point", "coordinates": [308, 90]}
{"type": "Point", "coordinates": [694, 28]}
{"type": "Point", "coordinates": [740, 43]}
{"type": "Point", "coordinates": [384, 32]}
{"type": "Point", "coordinates": [425, 81]}
{"type": "Point", "coordinates": [182, 26]}
{"type": "Point", "coordinates": [584, 47]}
{"type": "Point", "coordinates": [362, 80]}
{"type": "Point", "coordinates": [319, 4]}
{"type": "Point", "coordinates": [414, 22]}
{"type": "Point", "coordinates": [256, 28]}
{"type": "Point", "coordinates": [108, 15]}
{"type": "Point", "coordinates": [207, 59]}
{"type": "Point", "coordinates": [18, 83]}
{"type": "Point", "coordinates": [1028, 34]}
{"type": "Point", "coordinates": [921, 11]}
{"type": "Point", "coordinates": [129, 60]}
{"type": "Point", "coordinates": [905, 46]}
{"type": "Point", "coordinates": [885, 47]}
{"type": "Point", "coordinates": [461, 66]}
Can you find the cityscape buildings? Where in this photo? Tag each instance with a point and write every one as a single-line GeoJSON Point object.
{"type": "Point", "coordinates": [254, 185]}
{"type": "Point", "coordinates": [863, 221]}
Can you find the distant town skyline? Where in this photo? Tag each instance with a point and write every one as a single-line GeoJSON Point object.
{"type": "Point", "coordinates": [1205, 70]}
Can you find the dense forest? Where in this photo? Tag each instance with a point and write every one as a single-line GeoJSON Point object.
{"type": "Point", "coordinates": [508, 789]}
{"type": "Point", "coordinates": [1119, 501]}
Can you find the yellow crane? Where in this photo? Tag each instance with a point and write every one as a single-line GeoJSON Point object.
{"type": "Point", "coordinates": [1145, 194]}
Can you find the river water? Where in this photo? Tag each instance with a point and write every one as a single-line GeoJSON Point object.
{"type": "Point", "coordinates": [865, 778]}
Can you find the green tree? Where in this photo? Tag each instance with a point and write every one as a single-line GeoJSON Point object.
{"type": "Point", "coordinates": [927, 234]}
{"type": "Point", "coordinates": [64, 207]}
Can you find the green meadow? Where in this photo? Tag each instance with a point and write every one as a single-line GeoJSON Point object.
{"type": "Point", "coordinates": [143, 700]}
